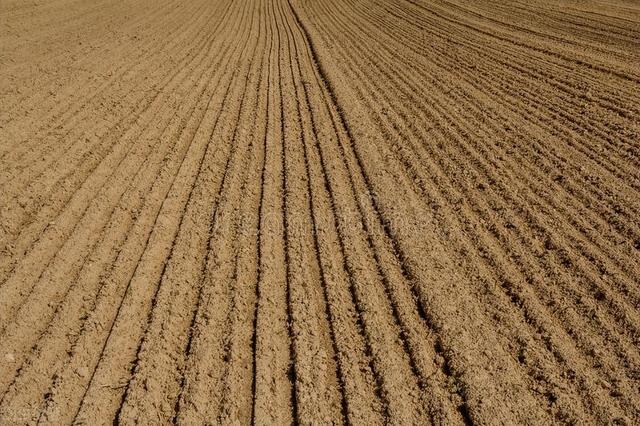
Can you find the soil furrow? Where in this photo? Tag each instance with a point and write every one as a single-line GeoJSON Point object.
{"type": "Point", "coordinates": [319, 212]}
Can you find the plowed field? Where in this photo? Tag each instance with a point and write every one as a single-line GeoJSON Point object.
{"type": "Point", "coordinates": [319, 212]}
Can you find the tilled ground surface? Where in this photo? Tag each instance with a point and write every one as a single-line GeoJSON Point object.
{"type": "Point", "coordinates": [319, 211]}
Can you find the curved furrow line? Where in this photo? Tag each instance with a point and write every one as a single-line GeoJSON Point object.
{"type": "Point", "coordinates": [539, 224]}
{"type": "Point", "coordinates": [54, 56]}
{"type": "Point", "coordinates": [575, 124]}
{"type": "Point", "coordinates": [513, 56]}
{"type": "Point", "coordinates": [24, 214]}
{"type": "Point", "coordinates": [617, 19]}
{"type": "Point", "coordinates": [406, 231]}
{"type": "Point", "coordinates": [185, 274]}
{"type": "Point", "coordinates": [11, 285]}
{"type": "Point", "coordinates": [596, 68]}
{"type": "Point", "coordinates": [399, 318]}
{"type": "Point", "coordinates": [127, 210]}
{"type": "Point", "coordinates": [318, 396]}
{"type": "Point", "coordinates": [609, 21]}
{"type": "Point", "coordinates": [209, 333]}
{"type": "Point", "coordinates": [568, 13]}
{"type": "Point", "coordinates": [84, 136]}
{"type": "Point", "coordinates": [51, 352]}
{"type": "Point", "coordinates": [450, 374]}
{"type": "Point", "coordinates": [562, 38]}
{"type": "Point", "coordinates": [418, 101]}
{"type": "Point", "coordinates": [53, 96]}
{"type": "Point", "coordinates": [402, 299]}
{"type": "Point", "coordinates": [517, 225]}
{"type": "Point", "coordinates": [485, 156]}
{"type": "Point", "coordinates": [515, 53]}
{"type": "Point", "coordinates": [561, 22]}
{"type": "Point", "coordinates": [585, 236]}
{"type": "Point", "coordinates": [234, 398]}
{"type": "Point", "coordinates": [263, 209]}
{"type": "Point", "coordinates": [153, 264]}
{"type": "Point", "coordinates": [567, 20]}
{"type": "Point", "coordinates": [273, 390]}
{"type": "Point", "coordinates": [481, 74]}
{"type": "Point", "coordinates": [361, 394]}
{"type": "Point", "coordinates": [378, 61]}
{"type": "Point", "coordinates": [516, 251]}
{"type": "Point", "coordinates": [319, 212]}
{"type": "Point", "coordinates": [102, 171]}
{"type": "Point", "coordinates": [489, 75]}
{"type": "Point", "coordinates": [398, 289]}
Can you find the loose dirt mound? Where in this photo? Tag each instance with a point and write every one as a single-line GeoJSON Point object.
{"type": "Point", "coordinates": [328, 211]}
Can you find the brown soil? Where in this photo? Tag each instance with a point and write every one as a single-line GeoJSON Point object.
{"type": "Point", "coordinates": [327, 211]}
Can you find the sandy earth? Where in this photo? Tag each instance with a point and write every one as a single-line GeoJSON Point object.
{"type": "Point", "coordinates": [319, 211]}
